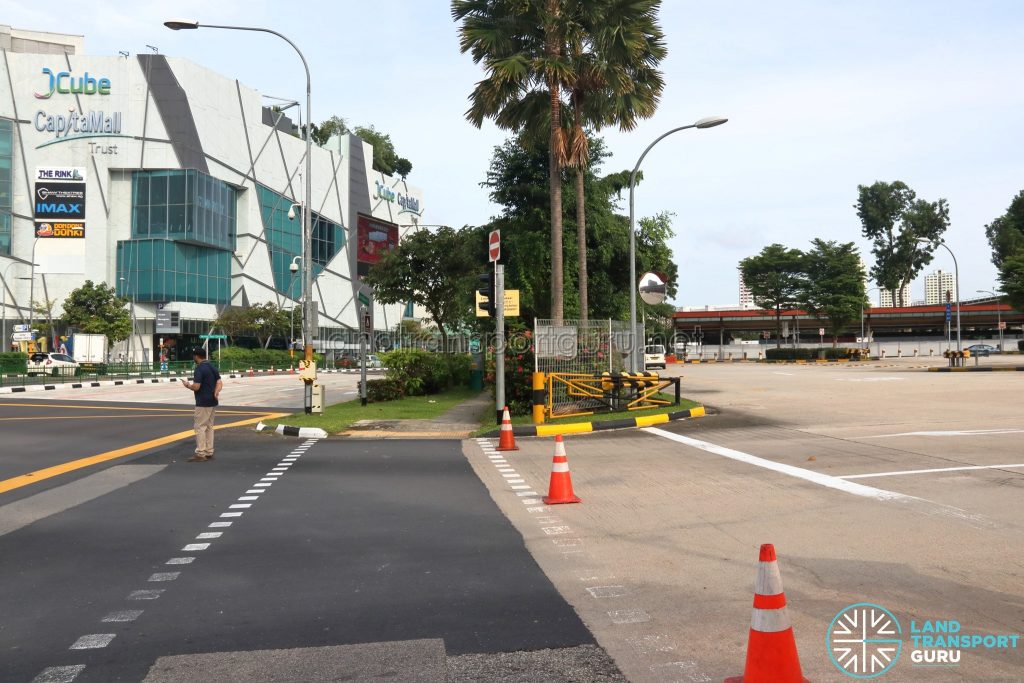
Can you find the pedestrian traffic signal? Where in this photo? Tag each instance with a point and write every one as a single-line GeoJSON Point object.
{"type": "Point", "coordinates": [486, 291]}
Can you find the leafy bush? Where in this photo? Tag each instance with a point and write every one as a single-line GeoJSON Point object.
{"type": "Point", "coordinates": [14, 362]}
{"type": "Point", "coordinates": [791, 354]}
{"type": "Point", "coordinates": [379, 390]}
{"type": "Point", "coordinates": [839, 352]}
{"type": "Point", "coordinates": [239, 357]}
{"type": "Point", "coordinates": [419, 372]}
{"type": "Point", "coordinates": [518, 380]}
{"type": "Point", "coordinates": [827, 353]}
{"type": "Point", "coordinates": [459, 368]}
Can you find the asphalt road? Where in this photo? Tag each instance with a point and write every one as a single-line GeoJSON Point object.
{"type": "Point", "coordinates": [49, 443]}
{"type": "Point", "coordinates": [882, 483]}
{"type": "Point", "coordinates": [345, 543]}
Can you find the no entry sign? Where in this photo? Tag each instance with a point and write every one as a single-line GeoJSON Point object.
{"type": "Point", "coordinates": [494, 245]}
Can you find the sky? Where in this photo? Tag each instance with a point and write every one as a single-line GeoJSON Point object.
{"type": "Point", "coordinates": [821, 97]}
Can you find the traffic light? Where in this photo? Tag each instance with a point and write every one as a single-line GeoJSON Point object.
{"type": "Point", "coordinates": [486, 291]}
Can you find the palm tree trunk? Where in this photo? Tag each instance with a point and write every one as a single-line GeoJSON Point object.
{"type": "Point", "coordinates": [581, 242]}
{"type": "Point", "coordinates": [555, 189]}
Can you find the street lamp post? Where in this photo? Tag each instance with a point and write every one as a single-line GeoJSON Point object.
{"type": "Point", "coordinates": [294, 268]}
{"type": "Point", "coordinates": [999, 316]}
{"type": "Point", "coordinates": [956, 272]}
{"type": "Point", "coordinates": [308, 331]}
{"type": "Point", "coordinates": [634, 352]}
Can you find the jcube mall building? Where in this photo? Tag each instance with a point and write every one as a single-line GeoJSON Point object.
{"type": "Point", "coordinates": [173, 184]}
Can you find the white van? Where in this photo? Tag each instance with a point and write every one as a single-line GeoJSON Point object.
{"type": "Point", "coordinates": [654, 356]}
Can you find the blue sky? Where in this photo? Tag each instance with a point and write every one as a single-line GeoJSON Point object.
{"type": "Point", "coordinates": [821, 96]}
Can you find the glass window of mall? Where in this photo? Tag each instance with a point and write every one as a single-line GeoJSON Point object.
{"type": "Point", "coordinates": [6, 183]}
{"type": "Point", "coordinates": [184, 205]}
{"type": "Point", "coordinates": [284, 239]}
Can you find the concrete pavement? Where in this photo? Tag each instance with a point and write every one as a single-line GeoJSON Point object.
{"type": "Point", "coordinates": [660, 557]}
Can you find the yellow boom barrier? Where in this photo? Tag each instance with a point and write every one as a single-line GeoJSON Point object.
{"type": "Point", "coordinates": [605, 392]}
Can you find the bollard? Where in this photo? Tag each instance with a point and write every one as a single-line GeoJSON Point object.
{"type": "Point", "coordinates": [540, 397]}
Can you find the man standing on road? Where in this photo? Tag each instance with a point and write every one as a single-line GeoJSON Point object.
{"type": "Point", "coordinates": [206, 385]}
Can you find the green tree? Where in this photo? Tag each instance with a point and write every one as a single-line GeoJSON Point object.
{"type": "Point", "coordinates": [833, 287]}
{"type": "Point", "coordinates": [894, 219]}
{"type": "Point", "coordinates": [774, 278]}
{"type": "Point", "coordinates": [332, 126]}
{"type": "Point", "coordinates": [433, 269]}
{"type": "Point", "coordinates": [617, 83]}
{"type": "Point", "coordinates": [523, 46]}
{"type": "Point", "coordinates": [1006, 233]}
{"type": "Point", "coordinates": [1011, 275]}
{"type": "Point", "coordinates": [385, 159]}
{"type": "Point", "coordinates": [268, 320]}
{"type": "Point", "coordinates": [1006, 237]}
{"type": "Point", "coordinates": [517, 181]}
{"type": "Point", "coordinates": [95, 308]}
{"type": "Point", "coordinates": [261, 321]}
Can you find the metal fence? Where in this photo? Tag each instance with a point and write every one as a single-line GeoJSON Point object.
{"type": "Point", "coordinates": [580, 348]}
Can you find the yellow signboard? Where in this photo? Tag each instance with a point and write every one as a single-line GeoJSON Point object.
{"type": "Point", "coordinates": [511, 304]}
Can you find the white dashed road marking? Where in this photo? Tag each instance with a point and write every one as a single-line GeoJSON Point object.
{"type": "Point", "coordinates": [93, 641]}
{"type": "Point", "coordinates": [67, 674]}
{"type": "Point", "coordinates": [145, 595]}
{"type": "Point", "coordinates": [122, 615]}
{"type": "Point", "coordinates": [59, 674]}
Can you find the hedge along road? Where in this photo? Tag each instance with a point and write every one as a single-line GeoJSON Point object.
{"type": "Point", "coordinates": [48, 443]}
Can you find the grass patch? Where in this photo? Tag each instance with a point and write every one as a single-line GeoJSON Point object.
{"type": "Point", "coordinates": [341, 416]}
{"type": "Point", "coordinates": [684, 404]}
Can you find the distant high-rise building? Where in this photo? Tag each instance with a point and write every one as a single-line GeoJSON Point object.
{"type": "Point", "coordinates": [885, 297]}
{"type": "Point", "coordinates": [936, 285]}
{"type": "Point", "coordinates": [746, 298]}
{"type": "Point", "coordinates": [40, 42]}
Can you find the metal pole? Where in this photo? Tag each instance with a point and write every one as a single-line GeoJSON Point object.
{"type": "Point", "coordinates": [32, 288]}
{"type": "Point", "coordinates": [956, 270]}
{"type": "Point", "coordinates": [634, 347]}
{"type": "Point", "coordinates": [499, 341]}
{"type": "Point", "coordinates": [363, 394]}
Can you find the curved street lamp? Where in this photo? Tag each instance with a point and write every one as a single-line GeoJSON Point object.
{"type": "Point", "coordinates": [956, 271]}
{"type": "Point", "coordinates": [636, 350]}
{"type": "Point", "coordinates": [308, 333]}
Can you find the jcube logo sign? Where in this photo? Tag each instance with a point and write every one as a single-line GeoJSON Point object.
{"type": "Point", "coordinates": [864, 640]}
{"type": "Point", "coordinates": [64, 83]}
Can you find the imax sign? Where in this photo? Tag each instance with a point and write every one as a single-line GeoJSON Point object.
{"type": "Point", "coordinates": [64, 83]}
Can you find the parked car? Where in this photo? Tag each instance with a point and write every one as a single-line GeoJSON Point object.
{"type": "Point", "coordinates": [654, 356]}
{"type": "Point", "coordinates": [51, 364]}
{"type": "Point", "coordinates": [982, 349]}
{"type": "Point", "coordinates": [373, 362]}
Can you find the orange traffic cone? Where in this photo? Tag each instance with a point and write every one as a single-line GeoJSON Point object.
{"type": "Point", "coordinates": [251, 371]}
{"type": "Point", "coordinates": [560, 488]}
{"type": "Point", "coordinates": [771, 648]}
{"type": "Point", "coordinates": [506, 440]}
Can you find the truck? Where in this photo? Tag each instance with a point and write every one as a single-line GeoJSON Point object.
{"type": "Point", "coordinates": [89, 350]}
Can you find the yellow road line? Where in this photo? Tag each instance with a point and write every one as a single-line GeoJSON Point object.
{"type": "Point", "coordinates": [63, 468]}
{"type": "Point", "coordinates": [78, 406]}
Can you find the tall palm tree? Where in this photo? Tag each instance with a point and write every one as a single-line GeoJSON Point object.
{"type": "Point", "coordinates": [523, 46]}
{"type": "Point", "coordinates": [617, 82]}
